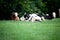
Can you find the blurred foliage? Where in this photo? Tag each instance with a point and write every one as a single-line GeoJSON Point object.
{"type": "Point", "coordinates": [29, 6]}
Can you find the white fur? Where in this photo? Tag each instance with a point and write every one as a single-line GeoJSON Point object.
{"type": "Point", "coordinates": [42, 18]}
{"type": "Point", "coordinates": [34, 17]}
{"type": "Point", "coordinates": [16, 14]}
{"type": "Point", "coordinates": [22, 18]}
{"type": "Point", "coordinates": [54, 15]}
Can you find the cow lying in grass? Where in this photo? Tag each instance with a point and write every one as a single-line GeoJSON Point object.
{"type": "Point", "coordinates": [36, 17]}
{"type": "Point", "coordinates": [14, 16]}
{"type": "Point", "coordinates": [32, 17]}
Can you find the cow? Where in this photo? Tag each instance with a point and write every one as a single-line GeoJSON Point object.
{"type": "Point", "coordinates": [14, 16]}
{"type": "Point", "coordinates": [32, 17]}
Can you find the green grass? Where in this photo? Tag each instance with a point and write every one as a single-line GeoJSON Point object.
{"type": "Point", "coordinates": [20, 30]}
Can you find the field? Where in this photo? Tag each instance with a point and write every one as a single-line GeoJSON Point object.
{"type": "Point", "coordinates": [20, 30]}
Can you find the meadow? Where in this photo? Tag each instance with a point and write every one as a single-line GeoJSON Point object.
{"type": "Point", "coordinates": [23, 30]}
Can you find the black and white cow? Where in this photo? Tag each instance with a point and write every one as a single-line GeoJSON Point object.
{"type": "Point", "coordinates": [35, 17]}
{"type": "Point", "coordinates": [32, 17]}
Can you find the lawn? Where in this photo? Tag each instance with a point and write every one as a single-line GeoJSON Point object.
{"type": "Point", "coordinates": [20, 30]}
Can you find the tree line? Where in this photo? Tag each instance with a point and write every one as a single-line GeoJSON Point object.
{"type": "Point", "coordinates": [29, 6]}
